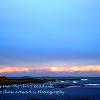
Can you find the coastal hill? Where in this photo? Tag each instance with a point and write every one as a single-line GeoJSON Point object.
{"type": "Point", "coordinates": [5, 80]}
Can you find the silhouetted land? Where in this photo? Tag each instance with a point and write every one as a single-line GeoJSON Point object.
{"type": "Point", "coordinates": [5, 80]}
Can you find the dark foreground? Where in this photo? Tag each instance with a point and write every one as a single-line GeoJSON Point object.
{"type": "Point", "coordinates": [53, 89]}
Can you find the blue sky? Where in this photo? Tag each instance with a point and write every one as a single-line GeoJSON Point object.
{"type": "Point", "coordinates": [49, 29]}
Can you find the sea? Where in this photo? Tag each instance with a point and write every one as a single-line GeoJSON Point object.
{"type": "Point", "coordinates": [64, 88]}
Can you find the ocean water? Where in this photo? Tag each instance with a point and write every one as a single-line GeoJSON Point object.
{"type": "Point", "coordinates": [36, 91]}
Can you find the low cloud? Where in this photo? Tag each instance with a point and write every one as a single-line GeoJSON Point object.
{"type": "Point", "coordinates": [14, 69]}
{"type": "Point", "coordinates": [86, 68]}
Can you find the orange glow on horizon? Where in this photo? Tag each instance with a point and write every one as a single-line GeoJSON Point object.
{"type": "Point", "coordinates": [88, 68]}
{"type": "Point", "coordinates": [15, 69]}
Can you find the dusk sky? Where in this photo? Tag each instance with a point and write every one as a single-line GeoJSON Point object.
{"type": "Point", "coordinates": [50, 37]}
